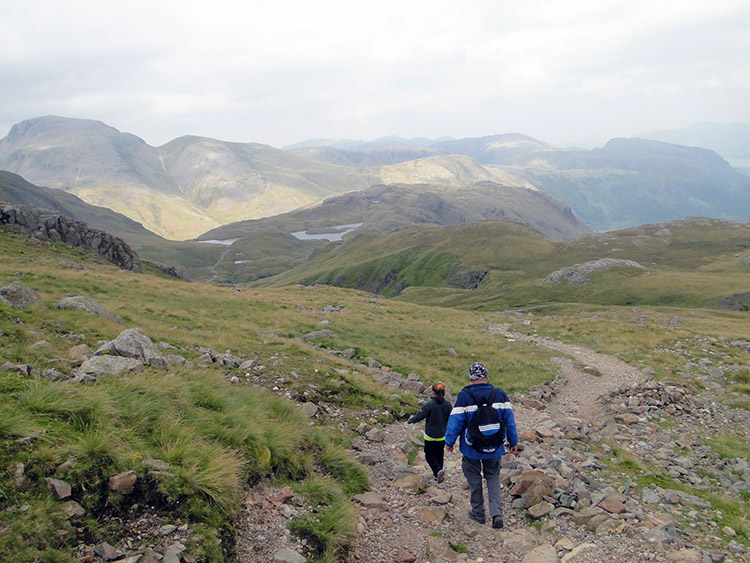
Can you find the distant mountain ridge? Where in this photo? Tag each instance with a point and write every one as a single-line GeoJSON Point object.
{"type": "Point", "coordinates": [192, 185]}
{"type": "Point", "coordinates": [730, 140]}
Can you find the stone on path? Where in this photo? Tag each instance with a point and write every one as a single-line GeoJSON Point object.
{"type": "Point", "coordinates": [288, 555]}
{"type": "Point", "coordinates": [439, 548]}
{"type": "Point", "coordinates": [309, 409]}
{"type": "Point", "coordinates": [685, 556]}
{"type": "Point", "coordinates": [405, 557]}
{"type": "Point", "coordinates": [541, 509]}
{"type": "Point", "coordinates": [612, 505]}
{"type": "Point", "coordinates": [583, 553]}
{"type": "Point", "coordinates": [108, 552]}
{"type": "Point", "coordinates": [542, 554]}
{"type": "Point", "coordinates": [371, 500]}
{"type": "Point", "coordinates": [432, 514]}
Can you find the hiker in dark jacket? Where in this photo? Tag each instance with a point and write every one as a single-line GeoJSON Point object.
{"type": "Point", "coordinates": [474, 464]}
{"type": "Point", "coordinates": [436, 411]}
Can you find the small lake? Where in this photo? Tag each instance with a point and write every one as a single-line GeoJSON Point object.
{"type": "Point", "coordinates": [225, 242]}
{"type": "Point", "coordinates": [340, 231]}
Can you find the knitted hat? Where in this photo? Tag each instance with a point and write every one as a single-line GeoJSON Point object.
{"type": "Point", "coordinates": [478, 371]}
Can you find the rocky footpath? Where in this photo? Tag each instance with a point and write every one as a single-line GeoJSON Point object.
{"type": "Point", "coordinates": [627, 479]}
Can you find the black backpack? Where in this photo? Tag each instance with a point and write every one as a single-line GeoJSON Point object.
{"type": "Point", "coordinates": [485, 431]}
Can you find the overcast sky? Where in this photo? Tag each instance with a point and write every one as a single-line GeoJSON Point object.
{"type": "Point", "coordinates": [565, 72]}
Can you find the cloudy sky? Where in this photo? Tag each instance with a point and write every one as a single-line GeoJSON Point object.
{"type": "Point", "coordinates": [562, 71]}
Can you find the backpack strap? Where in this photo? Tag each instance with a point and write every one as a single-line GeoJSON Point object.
{"type": "Point", "coordinates": [490, 401]}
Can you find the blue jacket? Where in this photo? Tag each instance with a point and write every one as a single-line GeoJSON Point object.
{"type": "Point", "coordinates": [464, 410]}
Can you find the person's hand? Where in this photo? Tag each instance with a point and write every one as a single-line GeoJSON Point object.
{"type": "Point", "coordinates": [513, 450]}
{"type": "Point", "coordinates": [449, 449]}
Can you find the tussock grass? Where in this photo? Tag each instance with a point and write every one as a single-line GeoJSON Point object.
{"type": "Point", "coordinates": [331, 528]}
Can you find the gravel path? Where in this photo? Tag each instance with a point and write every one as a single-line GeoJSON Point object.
{"type": "Point", "coordinates": [578, 390]}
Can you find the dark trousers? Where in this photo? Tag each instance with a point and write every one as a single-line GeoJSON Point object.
{"type": "Point", "coordinates": [473, 470]}
{"type": "Point", "coordinates": [434, 454]}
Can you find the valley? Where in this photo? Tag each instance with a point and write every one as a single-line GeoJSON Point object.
{"type": "Point", "coordinates": [242, 396]}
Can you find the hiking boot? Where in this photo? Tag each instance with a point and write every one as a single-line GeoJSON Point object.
{"type": "Point", "coordinates": [497, 522]}
{"type": "Point", "coordinates": [440, 476]}
{"type": "Point", "coordinates": [476, 518]}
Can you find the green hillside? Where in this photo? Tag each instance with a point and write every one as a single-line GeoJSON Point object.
{"type": "Point", "coordinates": [198, 435]}
{"type": "Point", "coordinates": [691, 262]}
{"type": "Point", "coordinates": [215, 436]}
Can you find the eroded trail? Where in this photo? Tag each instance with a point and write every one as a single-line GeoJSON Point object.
{"type": "Point", "coordinates": [408, 517]}
{"type": "Point", "coordinates": [584, 380]}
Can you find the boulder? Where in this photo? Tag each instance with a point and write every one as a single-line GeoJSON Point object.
{"type": "Point", "coordinates": [19, 296]}
{"type": "Point", "coordinates": [541, 509]}
{"type": "Point", "coordinates": [537, 491]}
{"type": "Point", "coordinates": [100, 366]}
{"type": "Point", "coordinates": [88, 305]}
{"type": "Point", "coordinates": [134, 343]}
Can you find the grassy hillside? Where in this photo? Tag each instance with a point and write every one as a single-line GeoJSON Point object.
{"type": "Point", "coordinates": [217, 437]}
{"type": "Point", "coordinates": [691, 262]}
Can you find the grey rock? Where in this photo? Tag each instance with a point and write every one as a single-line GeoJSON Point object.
{"type": "Point", "coordinates": [228, 360]}
{"type": "Point", "coordinates": [19, 296]}
{"type": "Point", "coordinates": [108, 552]}
{"type": "Point", "coordinates": [371, 500]}
{"type": "Point", "coordinates": [288, 555]}
{"type": "Point", "coordinates": [309, 409]}
{"type": "Point", "coordinates": [106, 365]}
{"type": "Point", "coordinates": [72, 509]}
{"type": "Point", "coordinates": [317, 334]}
{"type": "Point", "coordinates": [579, 274]}
{"type": "Point", "coordinates": [57, 487]}
{"type": "Point", "coordinates": [541, 554]}
{"type": "Point", "coordinates": [134, 343]}
{"type": "Point", "coordinates": [88, 305]}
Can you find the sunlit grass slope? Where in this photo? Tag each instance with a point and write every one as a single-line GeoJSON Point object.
{"type": "Point", "coordinates": [218, 438]}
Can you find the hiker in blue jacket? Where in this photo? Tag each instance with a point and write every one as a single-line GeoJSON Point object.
{"type": "Point", "coordinates": [436, 411]}
{"type": "Point", "coordinates": [474, 463]}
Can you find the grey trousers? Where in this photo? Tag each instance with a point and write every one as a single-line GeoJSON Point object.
{"type": "Point", "coordinates": [473, 470]}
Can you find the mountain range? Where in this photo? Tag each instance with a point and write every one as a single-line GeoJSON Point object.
{"type": "Point", "coordinates": [194, 184]}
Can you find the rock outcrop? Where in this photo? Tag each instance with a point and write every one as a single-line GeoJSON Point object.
{"type": "Point", "coordinates": [579, 274]}
{"type": "Point", "coordinates": [43, 224]}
